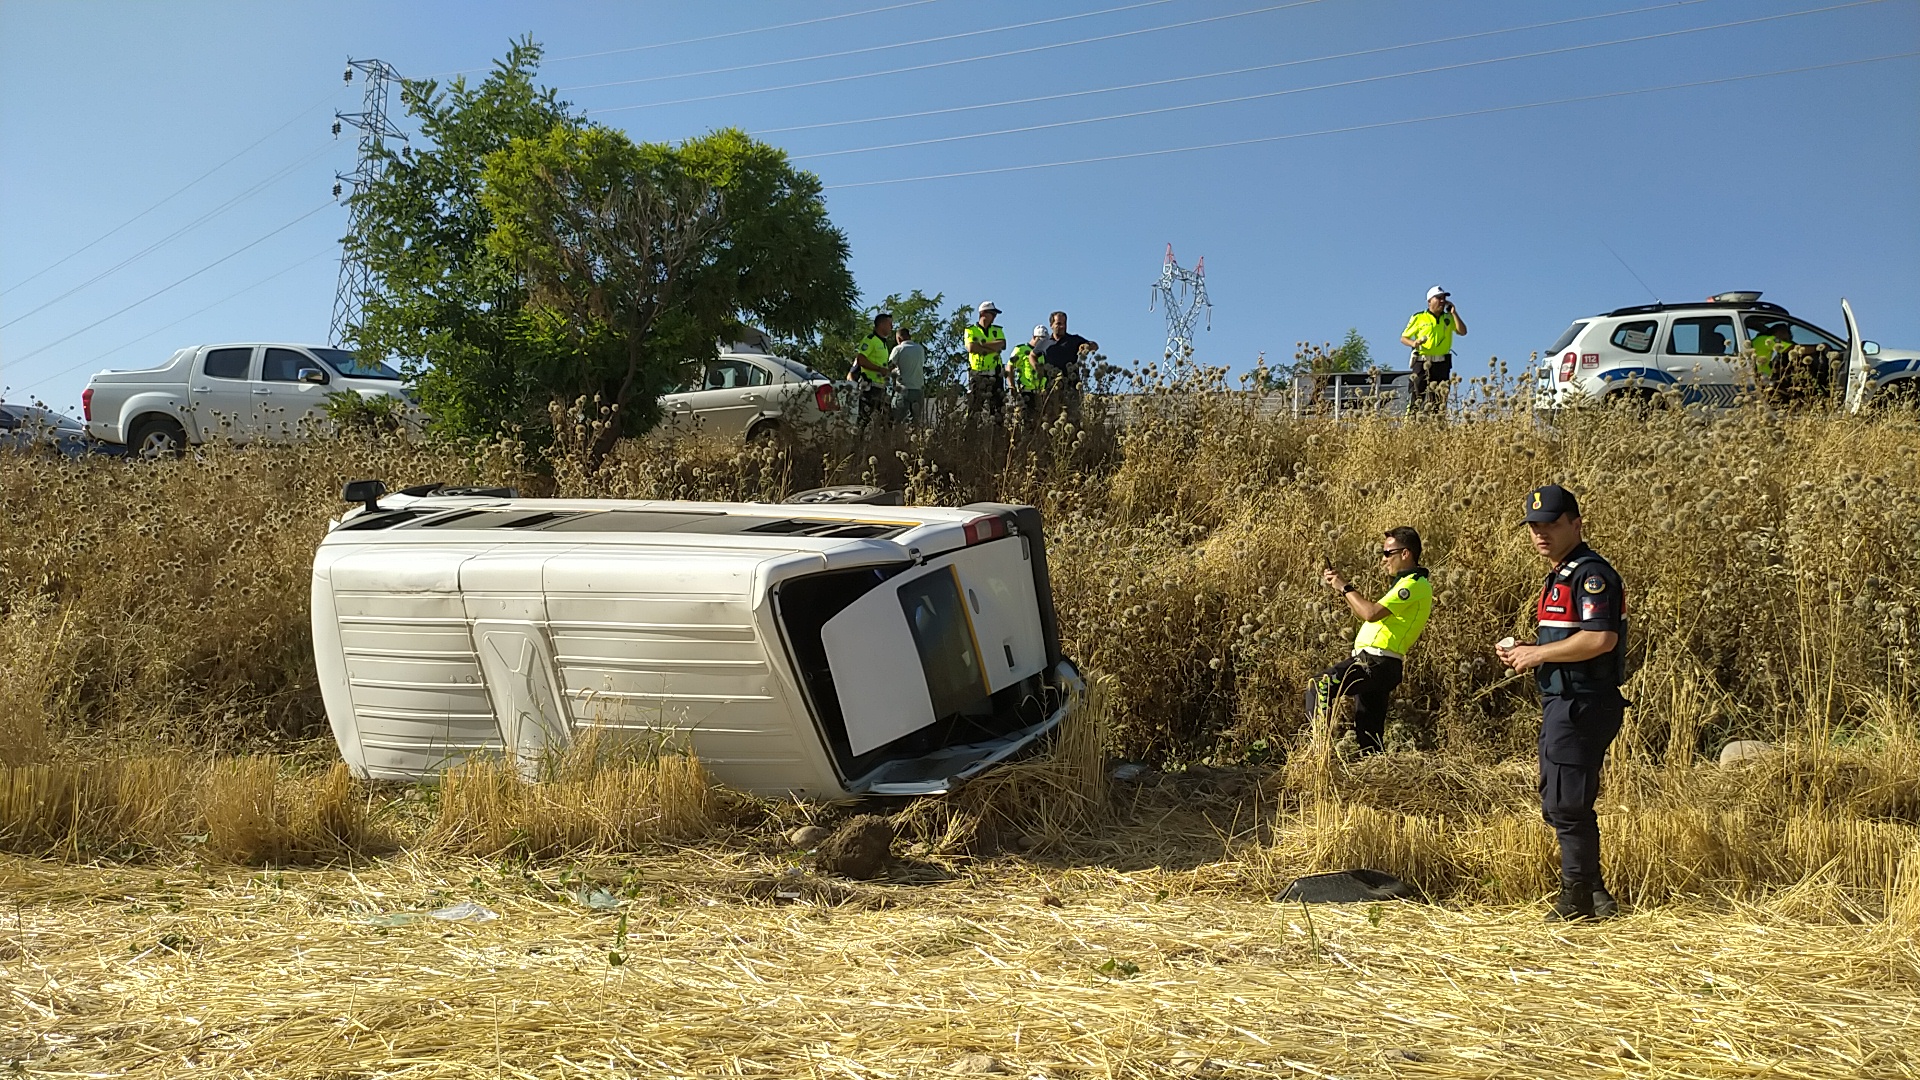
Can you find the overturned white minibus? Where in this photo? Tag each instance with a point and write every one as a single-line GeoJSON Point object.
{"type": "Point", "coordinates": [819, 650]}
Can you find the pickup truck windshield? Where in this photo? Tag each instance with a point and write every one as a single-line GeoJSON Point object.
{"type": "Point", "coordinates": [351, 366]}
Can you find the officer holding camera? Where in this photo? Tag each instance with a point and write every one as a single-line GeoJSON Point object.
{"type": "Point", "coordinates": [1430, 335]}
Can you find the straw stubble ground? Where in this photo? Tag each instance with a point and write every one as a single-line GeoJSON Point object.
{"type": "Point", "coordinates": [1048, 972]}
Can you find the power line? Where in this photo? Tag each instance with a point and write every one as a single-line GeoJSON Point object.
{"type": "Point", "coordinates": [170, 237]}
{"type": "Point", "coordinates": [1462, 65]}
{"type": "Point", "coordinates": [867, 48]}
{"type": "Point", "coordinates": [176, 283]}
{"type": "Point", "coordinates": [961, 60]}
{"type": "Point", "coordinates": [709, 37]}
{"type": "Point", "coordinates": [1367, 127]}
{"type": "Point", "coordinates": [1221, 74]}
{"type": "Point", "coordinates": [177, 192]}
{"type": "Point", "coordinates": [322, 253]}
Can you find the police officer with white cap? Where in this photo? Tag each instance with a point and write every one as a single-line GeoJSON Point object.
{"type": "Point", "coordinates": [1578, 660]}
{"type": "Point", "coordinates": [1430, 335]}
{"type": "Point", "coordinates": [1027, 372]}
{"type": "Point", "coordinates": [986, 356]}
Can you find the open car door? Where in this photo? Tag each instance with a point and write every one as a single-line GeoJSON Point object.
{"type": "Point", "coordinates": [1856, 384]}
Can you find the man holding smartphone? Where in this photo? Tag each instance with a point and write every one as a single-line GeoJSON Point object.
{"type": "Point", "coordinates": [1430, 335]}
{"type": "Point", "coordinates": [1389, 628]}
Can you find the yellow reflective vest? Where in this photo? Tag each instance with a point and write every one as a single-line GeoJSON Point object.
{"type": "Point", "coordinates": [875, 350]}
{"type": "Point", "coordinates": [1026, 369]}
{"type": "Point", "coordinates": [1409, 602]}
{"type": "Point", "coordinates": [1765, 348]}
{"type": "Point", "coordinates": [1433, 332]}
{"type": "Point", "coordinates": [984, 361]}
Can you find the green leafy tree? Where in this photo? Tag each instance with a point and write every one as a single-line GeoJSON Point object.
{"type": "Point", "coordinates": [829, 349]}
{"type": "Point", "coordinates": [639, 256]}
{"type": "Point", "coordinates": [1353, 354]}
{"type": "Point", "coordinates": [453, 312]}
{"type": "Point", "coordinates": [532, 259]}
{"type": "Point", "coordinates": [605, 234]}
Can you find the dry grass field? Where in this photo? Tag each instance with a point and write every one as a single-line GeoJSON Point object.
{"type": "Point", "coordinates": [193, 887]}
{"type": "Point", "coordinates": [1047, 970]}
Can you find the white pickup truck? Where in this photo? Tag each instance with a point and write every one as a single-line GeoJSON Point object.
{"type": "Point", "coordinates": [242, 392]}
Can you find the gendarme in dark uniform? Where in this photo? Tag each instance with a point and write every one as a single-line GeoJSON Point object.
{"type": "Point", "coordinates": [1577, 660]}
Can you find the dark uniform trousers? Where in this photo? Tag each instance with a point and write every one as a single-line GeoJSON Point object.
{"type": "Point", "coordinates": [1430, 376]}
{"type": "Point", "coordinates": [1370, 680]}
{"type": "Point", "coordinates": [1574, 735]}
{"type": "Point", "coordinates": [873, 401]}
{"type": "Point", "coordinates": [986, 392]}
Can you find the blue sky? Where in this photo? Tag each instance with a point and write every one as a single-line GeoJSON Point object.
{"type": "Point", "coordinates": [1340, 206]}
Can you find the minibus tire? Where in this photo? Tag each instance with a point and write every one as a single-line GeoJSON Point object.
{"type": "Point", "coordinates": [845, 493]}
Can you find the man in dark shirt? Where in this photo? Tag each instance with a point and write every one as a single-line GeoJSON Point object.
{"type": "Point", "coordinates": [1578, 660]}
{"type": "Point", "coordinates": [1062, 352]}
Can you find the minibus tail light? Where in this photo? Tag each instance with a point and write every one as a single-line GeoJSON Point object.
{"type": "Point", "coordinates": [981, 530]}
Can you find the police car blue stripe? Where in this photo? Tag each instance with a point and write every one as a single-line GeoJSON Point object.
{"type": "Point", "coordinates": [1644, 374]}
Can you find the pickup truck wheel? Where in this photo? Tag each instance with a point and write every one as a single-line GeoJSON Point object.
{"type": "Point", "coordinates": [157, 437]}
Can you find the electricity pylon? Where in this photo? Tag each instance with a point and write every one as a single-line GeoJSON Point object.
{"type": "Point", "coordinates": [356, 280]}
{"type": "Point", "coordinates": [1182, 294]}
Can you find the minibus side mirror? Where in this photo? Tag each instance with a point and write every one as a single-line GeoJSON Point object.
{"type": "Point", "coordinates": [366, 492]}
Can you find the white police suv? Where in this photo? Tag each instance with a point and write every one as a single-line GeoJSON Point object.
{"type": "Point", "coordinates": [1705, 354]}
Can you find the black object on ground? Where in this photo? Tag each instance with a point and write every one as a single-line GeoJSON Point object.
{"type": "Point", "coordinates": [1358, 886]}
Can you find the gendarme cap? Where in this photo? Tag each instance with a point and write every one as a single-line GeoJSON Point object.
{"type": "Point", "coordinates": [1548, 503]}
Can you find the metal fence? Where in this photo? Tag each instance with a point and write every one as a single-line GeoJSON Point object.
{"type": "Point", "coordinates": [1342, 393]}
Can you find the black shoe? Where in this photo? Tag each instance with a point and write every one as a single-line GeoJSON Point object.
{"type": "Point", "coordinates": [1574, 904]}
{"type": "Point", "coordinates": [1604, 905]}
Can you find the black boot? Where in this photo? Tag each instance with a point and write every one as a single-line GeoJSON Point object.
{"type": "Point", "coordinates": [1575, 903]}
{"type": "Point", "coordinates": [1604, 905]}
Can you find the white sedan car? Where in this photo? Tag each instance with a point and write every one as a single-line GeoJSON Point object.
{"type": "Point", "coordinates": [747, 396]}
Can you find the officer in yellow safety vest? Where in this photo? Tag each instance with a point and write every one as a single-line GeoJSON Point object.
{"type": "Point", "coordinates": [1770, 356]}
{"type": "Point", "coordinates": [1430, 335]}
{"type": "Point", "coordinates": [1393, 624]}
{"type": "Point", "coordinates": [869, 370]}
{"type": "Point", "coordinates": [1024, 371]}
{"type": "Point", "coordinates": [986, 346]}
{"type": "Point", "coordinates": [1765, 345]}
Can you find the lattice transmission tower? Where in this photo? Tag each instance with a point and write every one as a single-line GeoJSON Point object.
{"type": "Point", "coordinates": [356, 280]}
{"type": "Point", "coordinates": [1182, 294]}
